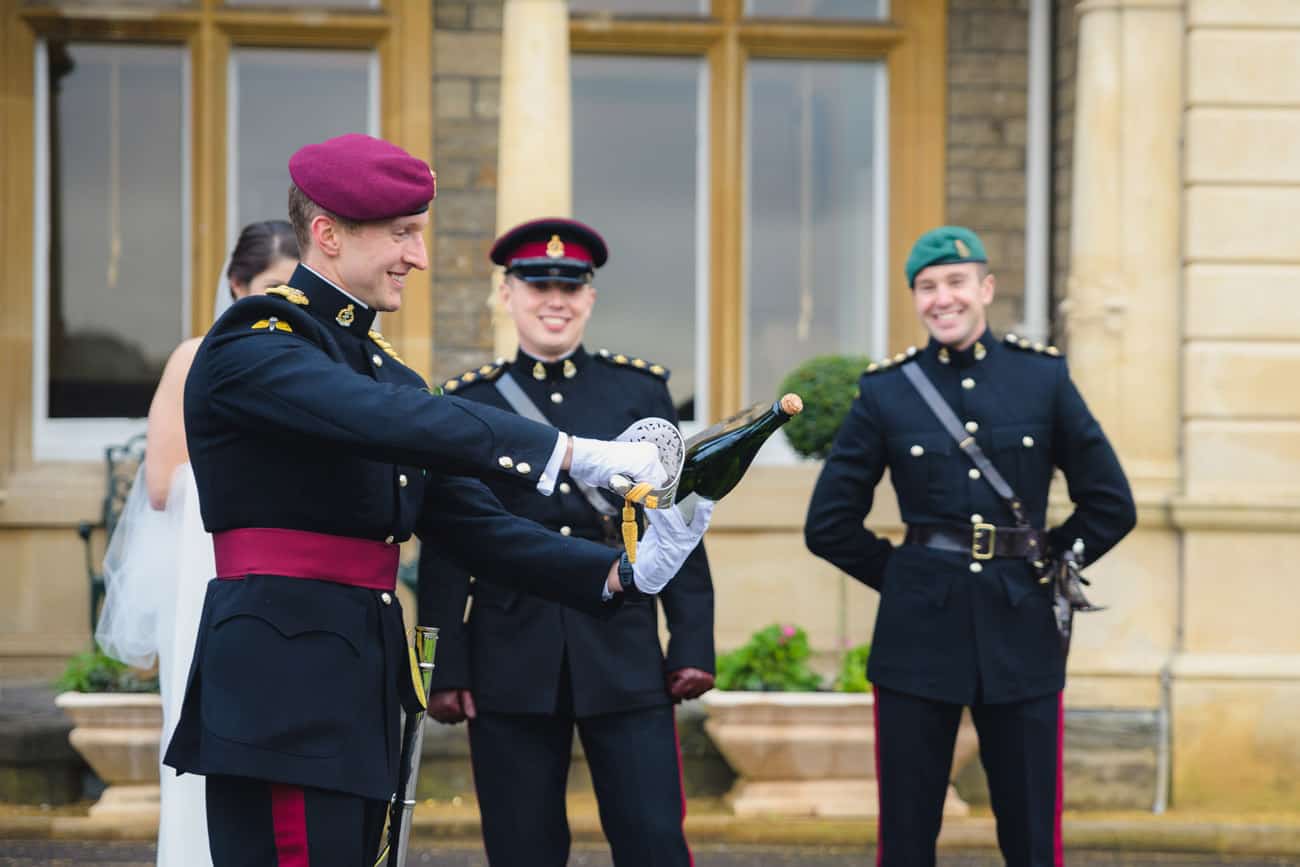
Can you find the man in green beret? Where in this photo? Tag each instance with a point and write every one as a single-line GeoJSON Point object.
{"type": "Point", "coordinates": [965, 617]}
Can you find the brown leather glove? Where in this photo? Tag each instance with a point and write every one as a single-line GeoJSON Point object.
{"type": "Point", "coordinates": [687, 683]}
{"type": "Point", "coordinates": [451, 706]}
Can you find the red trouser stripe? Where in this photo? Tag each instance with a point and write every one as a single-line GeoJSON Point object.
{"type": "Point", "coordinates": [880, 806]}
{"type": "Point", "coordinates": [681, 779]}
{"type": "Point", "coordinates": [1058, 856]}
{"type": "Point", "coordinates": [289, 820]}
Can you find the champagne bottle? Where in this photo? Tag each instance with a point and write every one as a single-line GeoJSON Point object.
{"type": "Point", "coordinates": [718, 457]}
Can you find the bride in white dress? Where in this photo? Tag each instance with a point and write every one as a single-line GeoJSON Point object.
{"type": "Point", "coordinates": [159, 560]}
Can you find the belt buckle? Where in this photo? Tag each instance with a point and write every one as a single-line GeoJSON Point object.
{"type": "Point", "coordinates": [982, 541]}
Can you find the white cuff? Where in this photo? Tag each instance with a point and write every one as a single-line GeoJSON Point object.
{"type": "Point", "coordinates": [546, 484]}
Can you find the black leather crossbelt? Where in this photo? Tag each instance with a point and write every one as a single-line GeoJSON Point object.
{"type": "Point", "coordinates": [980, 541]}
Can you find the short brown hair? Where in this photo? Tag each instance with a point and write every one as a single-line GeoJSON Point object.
{"type": "Point", "coordinates": [303, 210]}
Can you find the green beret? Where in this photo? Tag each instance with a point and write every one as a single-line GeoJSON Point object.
{"type": "Point", "coordinates": [946, 245]}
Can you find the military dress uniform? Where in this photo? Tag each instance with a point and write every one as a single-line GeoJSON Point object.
{"type": "Point", "coordinates": [316, 452]}
{"type": "Point", "coordinates": [536, 669]}
{"type": "Point", "coordinates": [963, 619]}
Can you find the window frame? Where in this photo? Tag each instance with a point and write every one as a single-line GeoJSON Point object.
{"type": "Point", "coordinates": [398, 32]}
{"type": "Point", "coordinates": [912, 46]}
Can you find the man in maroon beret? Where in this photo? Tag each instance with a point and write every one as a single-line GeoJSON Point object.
{"type": "Point", "coordinates": [316, 452]}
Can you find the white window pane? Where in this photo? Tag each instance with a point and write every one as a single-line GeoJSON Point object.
{"type": "Point", "coordinates": [814, 243]}
{"type": "Point", "coordinates": [114, 287]}
{"type": "Point", "coordinates": [638, 179]}
{"type": "Point", "coordinates": [842, 10]}
{"type": "Point", "coordinates": [656, 8]}
{"type": "Point", "coordinates": [280, 100]}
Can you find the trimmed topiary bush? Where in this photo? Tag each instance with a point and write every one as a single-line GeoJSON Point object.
{"type": "Point", "coordinates": [828, 384]}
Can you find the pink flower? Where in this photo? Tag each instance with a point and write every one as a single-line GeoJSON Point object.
{"type": "Point", "coordinates": [788, 631]}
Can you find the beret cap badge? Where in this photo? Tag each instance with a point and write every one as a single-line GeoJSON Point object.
{"type": "Point", "coordinates": [962, 249]}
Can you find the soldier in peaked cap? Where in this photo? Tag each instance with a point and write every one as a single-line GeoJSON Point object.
{"type": "Point", "coordinates": [964, 619]}
{"type": "Point", "coordinates": [317, 452]}
{"type": "Point", "coordinates": [527, 672]}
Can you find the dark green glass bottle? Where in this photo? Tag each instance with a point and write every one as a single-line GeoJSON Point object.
{"type": "Point", "coordinates": [718, 457]}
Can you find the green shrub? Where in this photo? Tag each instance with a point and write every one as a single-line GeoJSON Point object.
{"type": "Point", "coordinates": [853, 671]}
{"type": "Point", "coordinates": [95, 671]}
{"type": "Point", "coordinates": [775, 659]}
{"type": "Point", "coordinates": [828, 385]}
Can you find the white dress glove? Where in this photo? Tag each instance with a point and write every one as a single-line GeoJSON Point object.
{"type": "Point", "coordinates": [667, 543]}
{"type": "Point", "coordinates": [595, 461]}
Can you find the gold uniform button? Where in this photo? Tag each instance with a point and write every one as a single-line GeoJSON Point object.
{"type": "Point", "coordinates": [401, 480]}
{"type": "Point", "coordinates": [917, 451]}
{"type": "Point", "coordinates": [977, 518]}
{"type": "Point", "coordinates": [1029, 442]}
{"type": "Point", "coordinates": [556, 397]}
{"type": "Point", "coordinates": [506, 462]}
{"type": "Point", "coordinates": [379, 362]}
{"type": "Point", "coordinates": [972, 426]}
{"type": "Point", "coordinates": [388, 540]}
{"type": "Point", "coordinates": [566, 530]}
{"type": "Point", "coordinates": [386, 598]}
{"type": "Point", "coordinates": [968, 383]}
{"type": "Point", "coordinates": [564, 488]}
{"type": "Point", "coordinates": [973, 473]}
{"type": "Point", "coordinates": [524, 468]}
{"type": "Point", "coordinates": [975, 567]}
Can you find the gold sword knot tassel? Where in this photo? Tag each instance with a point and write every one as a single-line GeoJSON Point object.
{"type": "Point", "coordinates": [640, 493]}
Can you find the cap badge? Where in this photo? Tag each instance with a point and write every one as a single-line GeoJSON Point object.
{"type": "Point", "coordinates": [962, 249]}
{"type": "Point", "coordinates": [570, 369]}
{"type": "Point", "coordinates": [555, 247]}
{"type": "Point", "coordinates": [539, 371]}
{"type": "Point", "coordinates": [346, 316]}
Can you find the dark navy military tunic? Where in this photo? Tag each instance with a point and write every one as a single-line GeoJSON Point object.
{"type": "Point", "coordinates": [947, 630]}
{"type": "Point", "coordinates": [512, 652]}
{"type": "Point", "coordinates": [299, 416]}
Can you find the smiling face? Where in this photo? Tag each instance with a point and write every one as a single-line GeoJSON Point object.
{"type": "Point", "coordinates": [550, 318]}
{"type": "Point", "coordinates": [951, 302]}
{"type": "Point", "coordinates": [370, 260]}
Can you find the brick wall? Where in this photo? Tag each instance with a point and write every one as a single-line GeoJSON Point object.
{"type": "Point", "coordinates": [1066, 39]}
{"type": "Point", "coordinates": [988, 68]}
{"type": "Point", "coordinates": [467, 86]}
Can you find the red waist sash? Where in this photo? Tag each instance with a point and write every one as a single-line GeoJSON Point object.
{"type": "Point", "coordinates": [301, 554]}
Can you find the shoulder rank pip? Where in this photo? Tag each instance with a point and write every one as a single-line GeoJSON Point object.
{"type": "Point", "coordinates": [290, 294]}
{"type": "Point", "coordinates": [886, 363]}
{"type": "Point", "coordinates": [483, 373]}
{"type": "Point", "coordinates": [1027, 345]}
{"type": "Point", "coordinates": [618, 359]}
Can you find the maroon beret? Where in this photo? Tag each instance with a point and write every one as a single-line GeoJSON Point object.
{"type": "Point", "coordinates": [359, 177]}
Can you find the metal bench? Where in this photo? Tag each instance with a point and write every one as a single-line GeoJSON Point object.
{"type": "Point", "coordinates": [121, 462]}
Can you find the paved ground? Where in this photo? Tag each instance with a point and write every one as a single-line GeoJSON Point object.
{"type": "Point", "coordinates": [53, 853]}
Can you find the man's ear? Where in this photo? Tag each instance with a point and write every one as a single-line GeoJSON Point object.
{"type": "Point", "coordinates": [325, 234]}
{"type": "Point", "coordinates": [988, 287]}
{"type": "Point", "coordinates": [505, 292]}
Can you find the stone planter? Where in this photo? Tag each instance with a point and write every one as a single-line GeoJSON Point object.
{"type": "Point", "coordinates": [806, 753]}
{"type": "Point", "coordinates": [118, 735]}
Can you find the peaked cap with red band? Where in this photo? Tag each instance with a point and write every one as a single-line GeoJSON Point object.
{"type": "Point", "coordinates": [553, 249]}
{"type": "Point", "coordinates": [362, 178]}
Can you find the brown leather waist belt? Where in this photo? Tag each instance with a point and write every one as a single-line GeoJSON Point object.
{"type": "Point", "coordinates": [980, 541]}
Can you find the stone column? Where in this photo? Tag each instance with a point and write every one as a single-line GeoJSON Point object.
{"type": "Point", "coordinates": [1122, 311]}
{"type": "Point", "coordinates": [1122, 318]}
{"type": "Point", "coordinates": [534, 165]}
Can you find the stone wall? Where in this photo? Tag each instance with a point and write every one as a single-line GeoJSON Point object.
{"type": "Point", "coordinates": [988, 68]}
{"type": "Point", "coordinates": [1237, 679]}
{"type": "Point", "coordinates": [1065, 41]}
{"type": "Point", "coordinates": [467, 85]}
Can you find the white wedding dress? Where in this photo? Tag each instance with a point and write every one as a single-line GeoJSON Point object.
{"type": "Point", "coordinates": [156, 570]}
